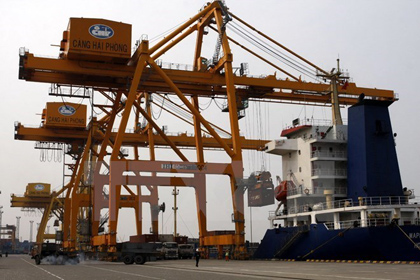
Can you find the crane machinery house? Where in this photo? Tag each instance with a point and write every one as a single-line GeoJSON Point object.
{"type": "Point", "coordinates": [62, 115]}
{"type": "Point", "coordinates": [96, 40]}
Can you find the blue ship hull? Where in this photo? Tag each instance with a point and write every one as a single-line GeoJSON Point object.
{"type": "Point", "coordinates": [386, 243]}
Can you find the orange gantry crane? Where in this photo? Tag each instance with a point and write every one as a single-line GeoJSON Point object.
{"type": "Point", "coordinates": [96, 57]}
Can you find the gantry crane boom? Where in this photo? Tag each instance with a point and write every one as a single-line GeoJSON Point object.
{"type": "Point", "coordinates": [182, 140]}
{"type": "Point", "coordinates": [202, 84]}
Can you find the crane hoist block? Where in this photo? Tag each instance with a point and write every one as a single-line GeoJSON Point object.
{"type": "Point", "coordinates": [64, 115]}
{"type": "Point", "coordinates": [38, 190]}
{"type": "Point", "coordinates": [97, 40]}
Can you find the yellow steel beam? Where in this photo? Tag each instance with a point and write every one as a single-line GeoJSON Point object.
{"type": "Point", "coordinates": [68, 72]}
{"type": "Point", "coordinates": [174, 42]}
{"type": "Point", "coordinates": [153, 199]}
{"type": "Point", "coordinates": [44, 221]}
{"type": "Point", "coordinates": [174, 33]}
{"type": "Point", "coordinates": [237, 164]}
{"type": "Point", "coordinates": [114, 187]}
{"type": "Point", "coordinates": [130, 99]}
{"type": "Point", "coordinates": [191, 108]}
{"type": "Point", "coordinates": [162, 134]}
{"type": "Point", "coordinates": [131, 139]}
{"type": "Point", "coordinates": [35, 202]}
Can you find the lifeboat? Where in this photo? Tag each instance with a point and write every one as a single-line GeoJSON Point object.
{"type": "Point", "coordinates": [280, 191]}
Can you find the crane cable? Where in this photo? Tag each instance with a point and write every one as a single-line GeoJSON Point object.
{"type": "Point", "coordinates": [161, 109]}
{"type": "Point", "coordinates": [261, 135]}
{"type": "Point", "coordinates": [163, 34]}
{"type": "Point", "coordinates": [279, 57]}
{"type": "Point", "coordinates": [405, 234]}
{"type": "Point", "coordinates": [329, 240]}
{"type": "Point", "coordinates": [269, 52]}
{"type": "Point", "coordinates": [207, 105]}
{"type": "Point", "coordinates": [273, 49]}
{"type": "Point", "coordinates": [293, 63]}
{"type": "Point", "coordinates": [220, 106]}
{"type": "Point", "coordinates": [93, 108]}
{"type": "Point", "coordinates": [172, 106]}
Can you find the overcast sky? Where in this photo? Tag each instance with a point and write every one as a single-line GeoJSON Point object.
{"type": "Point", "coordinates": [377, 41]}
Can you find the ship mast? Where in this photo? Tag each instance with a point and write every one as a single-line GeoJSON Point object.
{"type": "Point", "coordinates": [335, 76]}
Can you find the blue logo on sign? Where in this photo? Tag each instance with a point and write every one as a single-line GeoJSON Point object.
{"type": "Point", "coordinates": [66, 110]}
{"type": "Point", "coordinates": [39, 187]}
{"type": "Point", "coordinates": [101, 31]}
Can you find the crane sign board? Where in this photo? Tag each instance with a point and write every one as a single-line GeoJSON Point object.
{"type": "Point", "coordinates": [97, 40]}
{"type": "Point", "coordinates": [38, 189]}
{"type": "Point", "coordinates": [62, 115]}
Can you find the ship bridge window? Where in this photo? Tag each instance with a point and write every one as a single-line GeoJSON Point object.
{"type": "Point", "coordinates": [380, 127]}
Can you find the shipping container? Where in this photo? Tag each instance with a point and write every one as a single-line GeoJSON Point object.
{"type": "Point", "coordinates": [261, 194]}
{"type": "Point", "coordinates": [144, 238]}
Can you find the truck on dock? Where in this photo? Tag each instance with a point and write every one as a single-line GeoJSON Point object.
{"type": "Point", "coordinates": [139, 253]}
{"type": "Point", "coordinates": [127, 252]}
{"type": "Point", "coordinates": [53, 253]}
{"type": "Point", "coordinates": [170, 250]}
{"type": "Point", "coordinates": [186, 251]}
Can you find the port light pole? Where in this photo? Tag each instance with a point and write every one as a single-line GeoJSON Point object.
{"type": "Point", "coordinates": [17, 227]}
{"type": "Point", "coordinates": [175, 192]}
{"type": "Point", "coordinates": [31, 231]}
{"type": "Point", "coordinates": [1, 216]}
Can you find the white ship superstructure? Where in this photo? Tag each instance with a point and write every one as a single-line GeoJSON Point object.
{"type": "Point", "coordinates": [314, 164]}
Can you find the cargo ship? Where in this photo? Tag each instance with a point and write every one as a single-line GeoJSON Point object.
{"type": "Point", "coordinates": [341, 195]}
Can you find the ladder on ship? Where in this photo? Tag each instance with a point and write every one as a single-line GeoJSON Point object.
{"type": "Point", "coordinates": [294, 236]}
{"type": "Point", "coordinates": [326, 132]}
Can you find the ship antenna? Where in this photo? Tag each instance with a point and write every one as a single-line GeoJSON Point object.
{"type": "Point", "coordinates": [335, 77]}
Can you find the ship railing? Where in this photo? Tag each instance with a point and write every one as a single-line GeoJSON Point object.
{"type": "Point", "coordinates": [292, 210]}
{"type": "Point", "coordinates": [312, 122]}
{"type": "Point", "coordinates": [320, 190]}
{"type": "Point", "coordinates": [343, 203]}
{"type": "Point", "coordinates": [376, 222]}
{"type": "Point", "coordinates": [327, 154]}
{"type": "Point", "coordinates": [330, 225]}
{"type": "Point", "coordinates": [329, 172]}
{"type": "Point", "coordinates": [315, 190]}
{"type": "Point", "coordinates": [326, 205]}
{"type": "Point", "coordinates": [294, 191]}
{"type": "Point", "coordinates": [382, 200]}
{"type": "Point", "coordinates": [363, 201]}
{"type": "Point", "coordinates": [371, 222]}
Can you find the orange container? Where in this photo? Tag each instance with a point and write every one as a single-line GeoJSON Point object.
{"type": "Point", "coordinates": [62, 115]}
{"type": "Point", "coordinates": [97, 40]}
